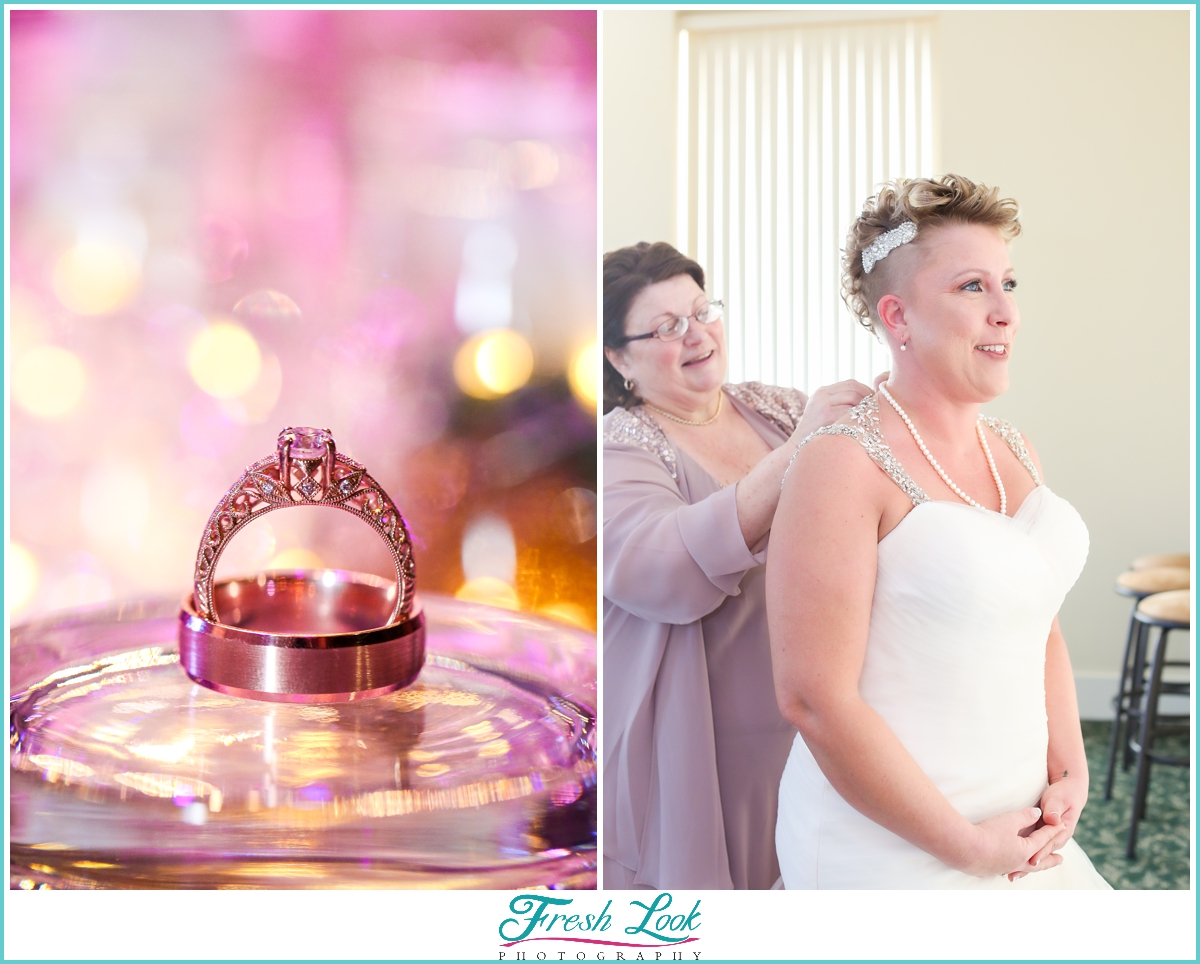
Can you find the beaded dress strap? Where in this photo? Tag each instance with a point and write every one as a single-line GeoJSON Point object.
{"type": "Point", "coordinates": [868, 434]}
{"type": "Point", "coordinates": [1015, 442]}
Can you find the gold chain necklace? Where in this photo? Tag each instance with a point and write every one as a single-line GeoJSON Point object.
{"type": "Point", "coordinates": [688, 421]}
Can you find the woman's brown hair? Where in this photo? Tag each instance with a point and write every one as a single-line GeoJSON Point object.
{"type": "Point", "coordinates": [627, 273]}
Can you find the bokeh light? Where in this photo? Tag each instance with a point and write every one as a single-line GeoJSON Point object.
{"type": "Point", "coordinates": [568, 612]}
{"type": "Point", "coordinates": [104, 224]}
{"type": "Point", "coordinates": [504, 361]}
{"type": "Point", "coordinates": [577, 514]}
{"type": "Point", "coordinates": [96, 278]}
{"type": "Point", "coordinates": [490, 591]}
{"type": "Point", "coordinates": [488, 550]}
{"type": "Point", "coordinates": [268, 306]}
{"type": "Point", "coordinates": [224, 360]}
{"type": "Point", "coordinates": [484, 297]}
{"type": "Point", "coordinates": [494, 363]}
{"type": "Point", "coordinates": [48, 381]}
{"type": "Point", "coordinates": [531, 164]}
{"type": "Point", "coordinates": [296, 558]}
{"type": "Point", "coordinates": [20, 576]}
{"type": "Point", "coordinates": [584, 375]}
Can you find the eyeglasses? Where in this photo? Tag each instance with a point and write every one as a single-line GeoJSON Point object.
{"type": "Point", "coordinates": [677, 327]}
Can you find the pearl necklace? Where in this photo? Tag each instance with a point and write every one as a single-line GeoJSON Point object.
{"type": "Point", "coordinates": [942, 472]}
{"type": "Point", "coordinates": [688, 421]}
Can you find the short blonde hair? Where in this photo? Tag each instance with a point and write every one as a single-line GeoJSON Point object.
{"type": "Point", "coordinates": [927, 202]}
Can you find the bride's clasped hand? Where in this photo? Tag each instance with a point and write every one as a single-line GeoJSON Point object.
{"type": "Point", "coordinates": [1009, 844]}
{"type": "Point", "coordinates": [1059, 810]}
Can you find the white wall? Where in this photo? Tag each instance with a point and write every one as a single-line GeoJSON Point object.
{"type": "Point", "coordinates": [1084, 117]}
{"type": "Point", "coordinates": [640, 62]}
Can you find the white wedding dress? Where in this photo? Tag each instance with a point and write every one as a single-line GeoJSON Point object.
{"type": "Point", "coordinates": [955, 664]}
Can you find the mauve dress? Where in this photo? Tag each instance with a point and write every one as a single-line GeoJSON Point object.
{"type": "Point", "coordinates": [693, 741]}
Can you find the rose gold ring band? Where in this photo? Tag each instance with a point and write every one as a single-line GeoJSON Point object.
{"type": "Point", "coordinates": [303, 637]}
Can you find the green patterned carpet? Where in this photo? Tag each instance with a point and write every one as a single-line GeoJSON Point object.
{"type": "Point", "coordinates": [1163, 839]}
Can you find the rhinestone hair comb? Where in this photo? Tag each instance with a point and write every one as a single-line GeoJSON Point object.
{"type": "Point", "coordinates": [886, 243]}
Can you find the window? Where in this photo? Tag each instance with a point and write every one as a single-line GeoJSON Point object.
{"type": "Point", "coordinates": [787, 131]}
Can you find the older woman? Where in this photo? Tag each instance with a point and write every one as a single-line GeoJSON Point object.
{"type": "Point", "coordinates": [913, 610]}
{"type": "Point", "coordinates": [693, 742]}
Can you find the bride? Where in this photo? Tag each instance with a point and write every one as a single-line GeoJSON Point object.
{"type": "Point", "coordinates": [912, 611]}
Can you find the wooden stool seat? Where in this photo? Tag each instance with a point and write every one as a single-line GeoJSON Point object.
{"type": "Point", "coordinates": [1145, 582]}
{"type": "Point", "coordinates": [1173, 609]}
{"type": "Point", "coordinates": [1175, 560]}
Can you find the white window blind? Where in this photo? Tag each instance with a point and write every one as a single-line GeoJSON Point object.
{"type": "Point", "coordinates": [789, 129]}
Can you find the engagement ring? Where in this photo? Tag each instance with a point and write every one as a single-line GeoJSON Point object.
{"type": "Point", "coordinates": [303, 636]}
{"type": "Point", "coordinates": [306, 469]}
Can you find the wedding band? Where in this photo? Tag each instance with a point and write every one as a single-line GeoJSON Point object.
{"type": "Point", "coordinates": [303, 637]}
{"type": "Point", "coordinates": [306, 469]}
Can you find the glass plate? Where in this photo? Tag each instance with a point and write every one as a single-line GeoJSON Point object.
{"type": "Point", "coordinates": [125, 773]}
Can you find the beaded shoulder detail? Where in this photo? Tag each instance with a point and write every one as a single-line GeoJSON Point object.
{"type": "Point", "coordinates": [780, 406]}
{"type": "Point", "coordinates": [632, 426]}
{"type": "Point", "coordinates": [866, 431]}
{"type": "Point", "coordinates": [1015, 442]}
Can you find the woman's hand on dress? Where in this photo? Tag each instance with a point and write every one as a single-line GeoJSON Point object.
{"type": "Point", "coordinates": [1061, 804]}
{"type": "Point", "coordinates": [758, 491]}
{"type": "Point", "coordinates": [1007, 844]}
{"type": "Point", "coordinates": [826, 405]}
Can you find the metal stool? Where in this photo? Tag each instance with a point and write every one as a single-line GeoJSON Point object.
{"type": "Point", "coordinates": [1167, 611]}
{"type": "Point", "coordinates": [1138, 583]}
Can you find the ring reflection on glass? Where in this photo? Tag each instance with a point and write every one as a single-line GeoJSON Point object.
{"type": "Point", "coordinates": [306, 636]}
{"type": "Point", "coordinates": [306, 469]}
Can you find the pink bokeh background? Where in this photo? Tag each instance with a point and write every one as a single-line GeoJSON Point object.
{"type": "Point", "coordinates": [331, 183]}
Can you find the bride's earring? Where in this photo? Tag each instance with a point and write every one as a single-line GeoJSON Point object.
{"type": "Point", "coordinates": [904, 346]}
{"type": "Point", "coordinates": [629, 384]}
